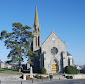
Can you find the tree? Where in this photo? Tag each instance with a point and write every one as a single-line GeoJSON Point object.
{"type": "Point", "coordinates": [83, 70]}
{"type": "Point", "coordinates": [43, 70]}
{"type": "Point", "coordinates": [19, 41]}
{"type": "Point", "coordinates": [71, 70]}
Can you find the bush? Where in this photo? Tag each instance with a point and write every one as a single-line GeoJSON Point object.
{"type": "Point", "coordinates": [41, 77]}
{"type": "Point", "coordinates": [43, 70]}
{"type": "Point", "coordinates": [71, 70]}
{"type": "Point", "coordinates": [69, 77]}
{"type": "Point", "coordinates": [82, 71]}
{"type": "Point", "coordinates": [51, 76]}
{"type": "Point", "coordinates": [36, 76]}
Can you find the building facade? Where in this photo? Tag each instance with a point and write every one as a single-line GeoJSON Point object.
{"type": "Point", "coordinates": [2, 65]}
{"type": "Point", "coordinates": [52, 53]}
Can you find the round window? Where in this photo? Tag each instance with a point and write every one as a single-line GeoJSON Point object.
{"type": "Point", "coordinates": [54, 50]}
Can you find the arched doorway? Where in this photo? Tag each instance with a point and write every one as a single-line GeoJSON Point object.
{"type": "Point", "coordinates": [54, 66]}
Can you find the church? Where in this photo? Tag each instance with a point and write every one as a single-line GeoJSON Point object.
{"type": "Point", "coordinates": [52, 53]}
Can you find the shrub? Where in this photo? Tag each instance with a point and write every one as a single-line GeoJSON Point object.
{"type": "Point", "coordinates": [69, 77]}
{"type": "Point", "coordinates": [71, 70]}
{"type": "Point", "coordinates": [41, 77]}
{"type": "Point", "coordinates": [36, 76]}
{"type": "Point", "coordinates": [82, 71]}
{"type": "Point", "coordinates": [51, 76]}
{"type": "Point", "coordinates": [43, 70]}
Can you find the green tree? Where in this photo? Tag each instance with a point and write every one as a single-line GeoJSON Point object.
{"type": "Point", "coordinates": [43, 70]}
{"type": "Point", "coordinates": [83, 70]}
{"type": "Point", "coordinates": [18, 41]}
{"type": "Point", "coordinates": [71, 70]}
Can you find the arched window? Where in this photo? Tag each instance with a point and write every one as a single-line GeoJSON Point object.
{"type": "Point", "coordinates": [38, 41]}
{"type": "Point", "coordinates": [38, 30]}
{"type": "Point", "coordinates": [68, 62]}
{"type": "Point", "coordinates": [61, 61]}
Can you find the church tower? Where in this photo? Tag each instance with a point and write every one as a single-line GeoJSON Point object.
{"type": "Point", "coordinates": [36, 33]}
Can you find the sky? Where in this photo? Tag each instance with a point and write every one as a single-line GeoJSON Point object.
{"type": "Point", "coordinates": [67, 17]}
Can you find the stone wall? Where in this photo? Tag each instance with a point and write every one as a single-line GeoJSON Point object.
{"type": "Point", "coordinates": [77, 76]}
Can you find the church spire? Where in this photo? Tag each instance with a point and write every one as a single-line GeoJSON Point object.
{"type": "Point", "coordinates": [36, 17]}
{"type": "Point", "coordinates": [36, 33]}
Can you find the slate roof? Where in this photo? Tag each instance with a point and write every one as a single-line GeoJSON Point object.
{"type": "Point", "coordinates": [68, 54]}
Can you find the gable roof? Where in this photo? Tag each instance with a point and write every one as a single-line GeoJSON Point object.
{"type": "Point", "coordinates": [68, 54]}
{"type": "Point", "coordinates": [50, 35]}
{"type": "Point", "coordinates": [1, 61]}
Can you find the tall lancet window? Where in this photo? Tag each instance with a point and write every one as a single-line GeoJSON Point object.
{"type": "Point", "coordinates": [68, 62]}
{"type": "Point", "coordinates": [36, 30]}
{"type": "Point", "coordinates": [38, 41]}
{"type": "Point", "coordinates": [61, 61]}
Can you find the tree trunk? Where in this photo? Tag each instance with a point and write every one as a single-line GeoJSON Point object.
{"type": "Point", "coordinates": [19, 68]}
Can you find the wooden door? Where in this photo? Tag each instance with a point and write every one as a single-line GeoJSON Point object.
{"type": "Point", "coordinates": [54, 68]}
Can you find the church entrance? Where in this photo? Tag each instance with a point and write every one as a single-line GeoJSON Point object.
{"type": "Point", "coordinates": [54, 68]}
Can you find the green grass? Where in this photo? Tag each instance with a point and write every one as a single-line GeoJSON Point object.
{"type": "Point", "coordinates": [9, 71]}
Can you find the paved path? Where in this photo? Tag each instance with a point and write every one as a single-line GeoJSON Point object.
{"type": "Point", "coordinates": [65, 82]}
{"type": "Point", "coordinates": [46, 82]}
{"type": "Point", "coordinates": [14, 79]}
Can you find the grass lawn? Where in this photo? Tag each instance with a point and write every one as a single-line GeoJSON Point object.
{"type": "Point", "coordinates": [9, 71]}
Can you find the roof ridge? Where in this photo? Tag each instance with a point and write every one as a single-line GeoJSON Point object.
{"type": "Point", "coordinates": [59, 37]}
{"type": "Point", "coordinates": [49, 36]}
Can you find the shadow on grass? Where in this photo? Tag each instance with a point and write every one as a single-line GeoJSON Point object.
{"type": "Point", "coordinates": [4, 69]}
{"type": "Point", "coordinates": [10, 69]}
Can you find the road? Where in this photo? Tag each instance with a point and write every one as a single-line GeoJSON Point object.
{"type": "Point", "coordinates": [66, 82]}
{"type": "Point", "coordinates": [46, 82]}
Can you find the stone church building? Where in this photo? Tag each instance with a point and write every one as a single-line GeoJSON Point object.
{"type": "Point", "coordinates": [52, 53]}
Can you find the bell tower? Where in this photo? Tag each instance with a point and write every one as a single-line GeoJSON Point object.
{"type": "Point", "coordinates": [36, 33]}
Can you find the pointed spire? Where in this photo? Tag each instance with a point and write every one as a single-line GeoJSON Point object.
{"type": "Point", "coordinates": [36, 17]}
